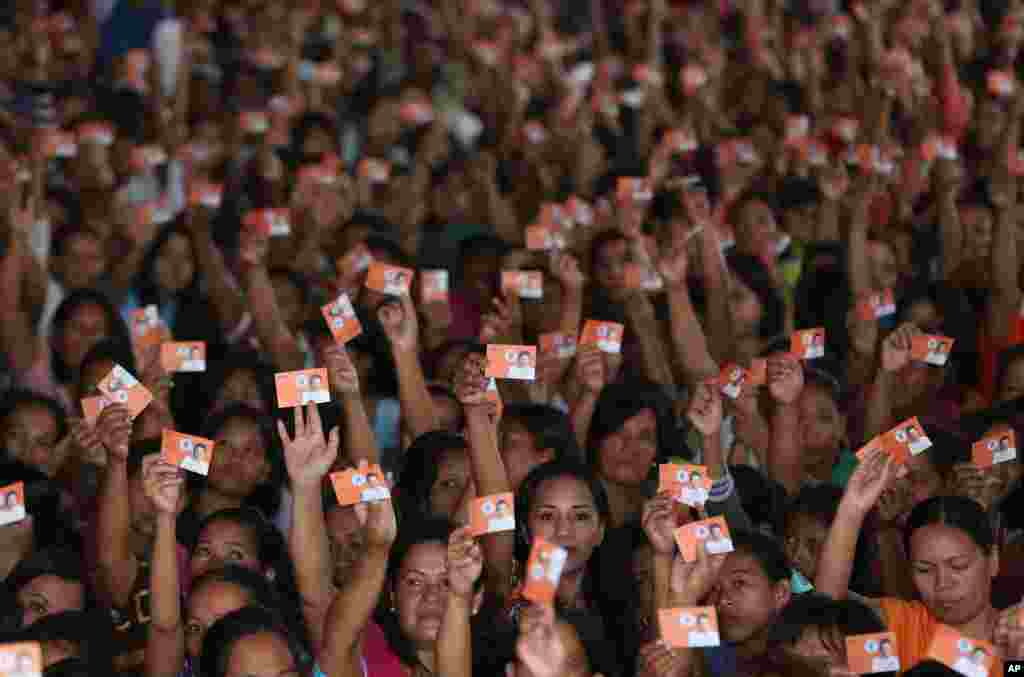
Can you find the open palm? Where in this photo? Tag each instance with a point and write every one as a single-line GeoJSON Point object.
{"type": "Point", "coordinates": [308, 455]}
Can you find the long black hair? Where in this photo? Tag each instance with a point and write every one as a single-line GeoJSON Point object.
{"type": "Point", "coordinates": [419, 472]}
{"type": "Point", "coordinates": [620, 402]}
{"type": "Point", "coordinates": [116, 328]}
{"type": "Point", "coordinates": [957, 512]}
{"type": "Point", "coordinates": [223, 635]}
{"type": "Point", "coordinates": [146, 287]}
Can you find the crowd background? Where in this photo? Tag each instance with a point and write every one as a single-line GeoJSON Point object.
{"type": "Point", "coordinates": [715, 177]}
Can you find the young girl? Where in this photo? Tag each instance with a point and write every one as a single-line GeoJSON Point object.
{"type": "Point", "coordinates": [253, 641]}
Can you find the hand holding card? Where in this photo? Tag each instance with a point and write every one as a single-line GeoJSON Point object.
{"type": "Point", "coordinates": [808, 344]}
{"type": "Point", "coordinates": [122, 388]}
{"type": "Point", "coordinates": [522, 283]}
{"type": "Point", "coordinates": [512, 362]}
{"type": "Point", "coordinates": [183, 356]}
{"type": "Point", "coordinates": [297, 388]}
{"type": "Point", "coordinates": [544, 571]}
{"type": "Point", "coordinates": [689, 627]}
{"type": "Point", "coordinates": [492, 514]}
{"type": "Point", "coordinates": [969, 657]}
{"type": "Point", "coordinates": [688, 484]}
{"type": "Point", "coordinates": [12, 503]}
{"type": "Point", "coordinates": [187, 451]}
{"type": "Point", "coordinates": [390, 280]}
{"type": "Point", "coordinates": [931, 349]}
{"type": "Point", "coordinates": [607, 336]}
{"type": "Point", "coordinates": [364, 484]}
{"type": "Point", "coordinates": [712, 534]}
{"type": "Point", "coordinates": [341, 319]}
{"type": "Point", "coordinates": [998, 446]}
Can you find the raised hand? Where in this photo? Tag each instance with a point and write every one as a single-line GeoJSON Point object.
{"type": "Point", "coordinates": [380, 528]}
{"type": "Point", "coordinates": [114, 430]}
{"type": "Point", "coordinates": [674, 266]}
{"type": "Point", "coordinates": [566, 269]}
{"type": "Point", "coordinates": [871, 477]}
{"type": "Point", "coordinates": [341, 370]}
{"type": "Point", "coordinates": [465, 562]}
{"type": "Point", "coordinates": [692, 581]}
{"type": "Point", "coordinates": [471, 381]}
{"type": "Point", "coordinates": [502, 321]}
{"type": "Point", "coordinates": [86, 443]}
{"type": "Point", "coordinates": [540, 648]}
{"type": "Point", "coordinates": [705, 410]}
{"type": "Point", "coordinates": [308, 455]}
{"type": "Point", "coordinates": [785, 378]}
{"type": "Point", "coordinates": [896, 347]}
{"type": "Point", "coordinates": [659, 524]}
{"type": "Point", "coordinates": [658, 659]}
{"type": "Point", "coordinates": [398, 318]}
{"type": "Point", "coordinates": [1009, 633]}
{"type": "Point", "coordinates": [164, 485]}
{"type": "Point", "coordinates": [590, 370]}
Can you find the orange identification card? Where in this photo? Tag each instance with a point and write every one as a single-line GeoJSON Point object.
{"type": "Point", "coordinates": [544, 571]}
{"type": "Point", "coordinates": [877, 306]}
{"type": "Point", "coordinates": [296, 388]}
{"type": "Point", "coordinates": [931, 349]}
{"type": "Point", "coordinates": [732, 380]}
{"type": "Point", "coordinates": [808, 344]}
{"type": "Point", "coordinates": [899, 453]}
{"type": "Point", "coordinates": [123, 388]}
{"type": "Point", "coordinates": [605, 335]}
{"type": "Point", "coordinates": [512, 362]}
{"type": "Point", "coordinates": [688, 484]}
{"type": "Point", "coordinates": [1000, 83]}
{"type": "Point", "coordinates": [187, 451]}
{"type": "Point", "coordinates": [526, 284]}
{"type": "Point", "coordinates": [60, 144]}
{"type": "Point", "coordinates": [375, 170]}
{"type": "Point", "coordinates": [206, 194]}
{"type": "Point", "coordinates": [557, 344]}
{"type": "Point", "coordinates": [355, 260]}
{"type": "Point", "coordinates": [22, 659]}
{"type": "Point", "coordinates": [541, 237]}
{"type": "Point", "coordinates": [713, 533]}
{"type": "Point", "coordinates": [364, 484]}
{"type": "Point", "coordinates": [341, 319]}
{"type": "Point", "coordinates": [269, 222]}
{"type": "Point", "coordinates": [254, 122]}
{"type": "Point", "coordinates": [99, 133]}
{"type": "Point", "coordinates": [390, 280]}
{"type": "Point", "coordinates": [632, 189]}
{"type": "Point", "coordinates": [642, 277]}
{"type": "Point", "coordinates": [999, 446]}
{"type": "Point", "coordinates": [689, 626]}
{"type": "Point", "coordinates": [434, 286]}
{"type": "Point", "coordinates": [757, 375]}
{"type": "Point", "coordinates": [12, 509]}
{"type": "Point", "coordinates": [868, 654]}
{"type": "Point", "coordinates": [969, 657]}
{"type": "Point", "coordinates": [492, 395]}
{"type": "Point", "coordinates": [492, 514]}
{"type": "Point", "coordinates": [909, 436]}
{"type": "Point", "coordinates": [93, 406]}
{"type": "Point", "coordinates": [183, 356]}
{"type": "Point", "coordinates": [147, 328]}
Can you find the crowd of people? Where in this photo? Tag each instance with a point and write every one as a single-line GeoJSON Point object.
{"type": "Point", "coordinates": [552, 338]}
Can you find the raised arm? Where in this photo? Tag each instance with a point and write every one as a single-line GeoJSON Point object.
{"type": "Point", "coordinates": [18, 341]}
{"type": "Point", "coordinates": [1005, 299]}
{"type": "Point", "coordinates": [360, 444]}
{"type": "Point", "coordinates": [275, 336]}
{"type": "Point", "coordinates": [165, 644]}
{"type": "Point", "coordinates": [895, 356]}
{"type": "Point", "coordinates": [454, 640]}
{"type": "Point", "coordinates": [309, 456]}
{"type": "Point", "coordinates": [589, 376]}
{"type": "Point", "coordinates": [785, 382]}
{"type": "Point", "coordinates": [118, 565]}
{"type": "Point", "coordinates": [352, 606]}
{"type": "Point", "coordinates": [227, 299]}
{"type": "Point", "coordinates": [398, 317]}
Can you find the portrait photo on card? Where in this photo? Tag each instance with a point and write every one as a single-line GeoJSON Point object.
{"type": "Point", "coordinates": [512, 362]}
{"type": "Point", "coordinates": [12, 503]}
{"type": "Point", "coordinates": [872, 653]}
{"type": "Point", "coordinates": [493, 514]}
{"type": "Point", "coordinates": [21, 659]}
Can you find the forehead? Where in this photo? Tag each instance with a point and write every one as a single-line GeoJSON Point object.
{"type": "Point", "coordinates": [227, 530]}
{"type": "Point", "coordinates": [564, 490]}
{"type": "Point", "coordinates": [740, 563]}
{"type": "Point", "coordinates": [430, 557]}
{"type": "Point", "coordinates": [938, 542]}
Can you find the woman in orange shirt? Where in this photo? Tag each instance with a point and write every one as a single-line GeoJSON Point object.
{"type": "Point", "coordinates": [953, 559]}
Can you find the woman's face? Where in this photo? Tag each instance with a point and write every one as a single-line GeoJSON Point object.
{"type": "Point", "coordinates": [610, 266]}
{"type": "Point", "coordinates": [746, 309]}
{"type": "Point", "coordinates": [30, 436]}
{"type": "Point", "coordinates": [1012, 385]}
{"type": "Point", "coordinates": [625, 456]}
{"type": "Point", "coordinates": [804, 539]}
{"type": "Point", "coordinates": [453, 478]}
{"type": "Point", "coordinates": [240, 464]}
{"type": "Point", "coordinates": [884, 266]}
{"type": "Point", "coordinates": [49, 595]}
{"type": "Point", "coordinates": [317, 142]}
{"type": "Point", "coordinates": [977, 225]}
{"type": "Point", "coordinates": [207, 605]}
{"type": "Point", "coordinates": [264, 654]}
{"type": "Point", "coordinates": [823, 430]}
{"type": "Point", "coordinates": [951, 573]}
{"type": "Point", "coordinates": [346, 537]}
{"type": "Point", "coordinates": [174, 266]}
{"type": "Point", "coordinates": [85, 327]}
{"type": "Point", "coordinates": [746, 599]}
{"type": "Point", "coordinates": [520, 452]}
{"type": "Point", "coordinates": [756, 228]}
{"type": "Point", "coordinates": [421, 592]}
{"type": "Point", "coordinates": [240, 387]}
{"type": "Point", "coordinates": [563, 512]}
{"type": "Point", "coordinates": [222, 543]}
{"type": "Point", "coordinates": [82, 261]}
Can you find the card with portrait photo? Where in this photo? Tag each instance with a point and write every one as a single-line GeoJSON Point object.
{"type": "Point", "coordinates": [356, 261]}
{"type": "Point", "coordinates": [526, 284]}
{"type": "Point", "coordinates": [183, 356]}
{"type": "Point", "coordinates": [607, 336]}
{"type": "Point", "coordinates": [124, 389]}
{"type": "Point", "coordinates": [493, 514]}
{"type": "Point", "coordinates": [434, 286]}
{"type": "Point", "coordinates": [931, 349]}
{"type": "Point", "coordinates": [689, 627]}
{"type": "Point", "coordinates": [808, 344]}
{"type": "Point", "coordinates": [189, 452]}
{"type": "Point", "coordinates": [340, 316]}
{"type": "Point", "coordinates": [910, 436]}
{"type": "Point", "coordinates": [733, 380]}
{"type": "Point", "coordinates": [713, 533]}
{"type": "Point", "coordinates": [998, 446]}
{"type": "Point", "coordinates": [93, 406]}
{"type": "Point", "coordinates": [512, 362]}
{"type": "Point", "coordinates": [205, 194]}
{"type": "Point", "coordinates": [269, 222]}
{"type": "Point", "coordinates": [298, 388]}
{"type": "Point", "coordinates": [871, 653]}
{"type": "Point", "coordinates": [365, 484]}
{"type": "Point", "coordinates": [558, 345]}
{"type": "Point", "coordinates": [544, 571]}
{"type": "Point", "coordinates": [390, 280]}
{"type": "Point", "coordinates": [688, 484]}
{"type": "Point", "coordinates": [12, 507]}
{"type": "Point", "coordinates": [969, 657]}
{"type": "Point", "coordinates": [148, 328]}
{"type": "Point", "coordinates": [21, 659]}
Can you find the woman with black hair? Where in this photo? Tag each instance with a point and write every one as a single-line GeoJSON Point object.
{"type": "Point", "coordinates": [252, 641]}
{"type": "Point", "coordinates": [435, 477]}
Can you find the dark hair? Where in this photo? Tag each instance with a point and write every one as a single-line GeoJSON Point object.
{"type": "Point", "coordinates": [295, 279]}
{"type": "Point", "coordinates": [306, 125]}
{"type": "Point", "coordinates": [240, 359]}
{"type": "Point", "coordinates": [63, 236]}
{"type": "Point", "coordinates": [59, 561]}
{"type": "Point", "coordinates": [601, 240]}
{"type": "Point", "coordinates": [391, 249]}
{"type": "Point", "coordinates": [110, 350]}
{"type": "Point", "coordinates": [419, 471]}
{"type": "Point", "coordinates": [116, 328]}
{"type": "Point", "coordinates": [266, 497]}
{"type": "Point", "coordinates": [837, 620]}
{"type": "Point", "coordinates": [957, 512]}
{"type": "Point", "coordinates": [441, 390]}
{"type": "Point", "coordinates": [549, 428]}
{"type": "Point", "coordinates": [622, 401]}
{"type": "Point", "coordinates": [223, 635]}
{"type": "Point", "coordinates": [752, 273]}
{"type": "Point", "coordinates": [763, 499]}
{"type": "Point", "coordinates": [1004, 361]}
{"type": "Point", "coordinates": [145, 284]}
{"type": "Point", "coordinates": [17, 398]}
{"type": "Point", "coordinates": [138, 451]}
{"type": "Point", "coordinates": [477, 246]}
{"type": "Point", "coordinates": [766, 550]}
{"type": "Point", "coordinates": [50, 525]}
